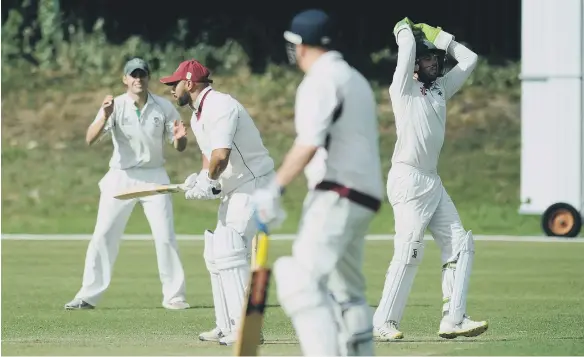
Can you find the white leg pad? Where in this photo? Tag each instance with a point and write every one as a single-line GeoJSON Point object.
{"type": "Point", "coordinates": [457, 307]}
{"type": "Point", "coordinates": [448, 270]}
{"type": "Point", "coordinates": [231, 262]}
{"type": "Point", "coordinates": [306, 302]}
{"type": "Point", "coordinates": [219, 301]}
{"type": "Point", "coordinates": [398, 282]}
{"type": "Point", "coordinates": [356, 328]}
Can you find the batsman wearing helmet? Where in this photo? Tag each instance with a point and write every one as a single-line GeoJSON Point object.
{"type": "Point", "coordinates": [321, 286]}
{"type": "Point", "coordinates": [419, 93]}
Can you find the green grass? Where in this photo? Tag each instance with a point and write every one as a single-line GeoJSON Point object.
{"type": "Point", "coordinates": [59, 193]}
{"type": "Point", "coordinates": [531, 293]}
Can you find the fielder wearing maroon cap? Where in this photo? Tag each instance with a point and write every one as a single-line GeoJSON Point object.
{"type": "Point", "coordinates": [189, 79]}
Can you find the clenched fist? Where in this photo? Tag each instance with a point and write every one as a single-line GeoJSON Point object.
{"type": "Point", "coordinates": [108, 105]}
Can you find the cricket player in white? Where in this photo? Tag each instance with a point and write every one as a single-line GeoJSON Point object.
{"type": "Point", "coordinates": [321, 287]}
{"type": "Point", "coordinates": [419, 94]}
{"type": "Point", "coordinates": [235, 163]}
{"type": "Point", "coordinates": [139, 123]}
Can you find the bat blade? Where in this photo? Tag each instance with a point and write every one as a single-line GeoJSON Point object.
{"type": "Point", "coordinates": [151, 190]}
{"type": "Point", "coordinates": [250, 328]}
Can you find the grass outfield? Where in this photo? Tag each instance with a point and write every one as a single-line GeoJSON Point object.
{"type": "Point", "coordinates": [531, 293]}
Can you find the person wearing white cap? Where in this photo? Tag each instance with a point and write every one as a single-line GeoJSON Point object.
{"type": "Point", "coordinates": [235, 163]}
{"type": "Point", "coordinates": [321, 287]}
{"type": "Point", "coordinates": [139, 123]}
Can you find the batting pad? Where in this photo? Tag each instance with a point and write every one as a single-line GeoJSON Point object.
{"type": "Point", "coordinates": [464, 263]}
{"type": "Point", "coordinates": [208, 252]}
{"type": "Point", "coordinates": [399, 280]}
{"type": "Point", "coordinates": [448, 270]}
{"type": "Point", "coordinates": [307, 304]}
{"type": "Point", "coordinates": [219, 301]}
{"type": "Point", "coordinates": [355, 322]}
{"type": "Point", "coordinates": [230, 255]}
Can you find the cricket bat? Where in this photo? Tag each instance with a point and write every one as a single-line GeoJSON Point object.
{"type": "Point", "coordinates": [150, 190]}
{"type": "Point", "coordinates": [250, 326]}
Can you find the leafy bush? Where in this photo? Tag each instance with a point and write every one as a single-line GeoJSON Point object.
{"type": "Point", "coordinates": [44, 47]}
{"type": "Point", "coordinates": [49, 49]}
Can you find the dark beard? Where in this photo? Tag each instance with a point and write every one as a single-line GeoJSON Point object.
{"type": "Point", "coordinates": [183, 100]}
{"type": "Point", "coordinates": [426, 79]}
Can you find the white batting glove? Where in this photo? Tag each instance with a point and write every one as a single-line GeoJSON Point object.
{"type": "Point", "coordinates": [191, 181]}
{"type": "Point", "coordinates": [266, 202]}
{"type": "Point", "coordinates": [205, 188]}
{"type": "Point", "coordinates": [194, 193]}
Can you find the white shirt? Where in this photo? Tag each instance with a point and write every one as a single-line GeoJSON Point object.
{"type": "Point", "coordinates": [138, 136]}
{"type": "Point", "coordinates": [225, 124]}
{"type": "Point", "coordinates": [352, 155]}
{"type": "Point", "coordinates": [420, 113]}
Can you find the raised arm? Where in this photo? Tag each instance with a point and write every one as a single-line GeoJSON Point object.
{"type": "Point", "coordinates": [406, 58]}
{"type": "Point", "coordinates": [466, 58]}
{"type": "Point", "coordinates": [455, 78]}
{"type": "Point", "coordinates": [103, 122]}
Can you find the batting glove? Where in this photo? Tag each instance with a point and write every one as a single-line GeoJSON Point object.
{"type": "Point", "coordinates": [204, 188]}
{"type": "Point", "coordinates": [191, 181]}
{"type": "Point", "coordinates": [266, 202]}
{"type": "Point", "coordinates": [194, 193]}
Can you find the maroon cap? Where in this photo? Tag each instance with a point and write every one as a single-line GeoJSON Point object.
{"type": "Point", "coordinates": [191, 70]}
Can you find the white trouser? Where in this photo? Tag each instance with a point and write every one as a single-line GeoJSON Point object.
{"type": "Point", "coordinates": [321, 287]}
{"type": "Point", "coordinates": [228, 252]}
{"type": "Point", "coordinates": [112, 217]}
{"type": "Point", "coordinates": [419, 201]}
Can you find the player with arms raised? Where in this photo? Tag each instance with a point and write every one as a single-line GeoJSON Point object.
{"type": "Point", "coordinates": [419, 94]}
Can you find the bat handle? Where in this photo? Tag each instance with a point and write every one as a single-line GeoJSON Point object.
{"type": "Point", "coordinates": [262, 251]}
{"type": "Point", "coordinates": [262, 227]}
{"type": "Point", "coordinates": [261, 256]}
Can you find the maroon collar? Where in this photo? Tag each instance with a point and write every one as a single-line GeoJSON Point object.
{"type": "Point", "coordinates": [201, 104]}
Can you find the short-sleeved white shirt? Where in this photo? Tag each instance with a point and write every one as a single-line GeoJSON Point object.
{"type": "Point", "coordinates": [224, 123]}
{"type": "Point", "coordinates": [138, 136]}
{"type": "Point", "coordinates": [333, 89]}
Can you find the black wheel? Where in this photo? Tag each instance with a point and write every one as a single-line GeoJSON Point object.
{"type": "Point", "coordinates": [561, 220]}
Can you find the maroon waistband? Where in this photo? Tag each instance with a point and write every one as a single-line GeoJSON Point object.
{"type": "Point", "coordinates": [357, 197]}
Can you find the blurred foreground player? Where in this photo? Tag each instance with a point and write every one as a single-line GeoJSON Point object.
{"type": "Point", "coordinates": [321, 287]}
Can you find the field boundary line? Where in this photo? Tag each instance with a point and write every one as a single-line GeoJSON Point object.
{"type": "Point", "coordinates": [284, 237]}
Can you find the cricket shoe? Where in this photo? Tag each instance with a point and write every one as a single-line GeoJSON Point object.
{"type": "Point", "coordinates": [387, 333]}
{"type": "Point", "coordinates": [176, 305]}
{"type": "Point", "coordinates": [78, 304]}
{"type": "Point", "coordinates": [212, 336]}
{"type": "Point", "coordinates": [467, 328]}
{"type": "Point", "coordinates": [231, 338]}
